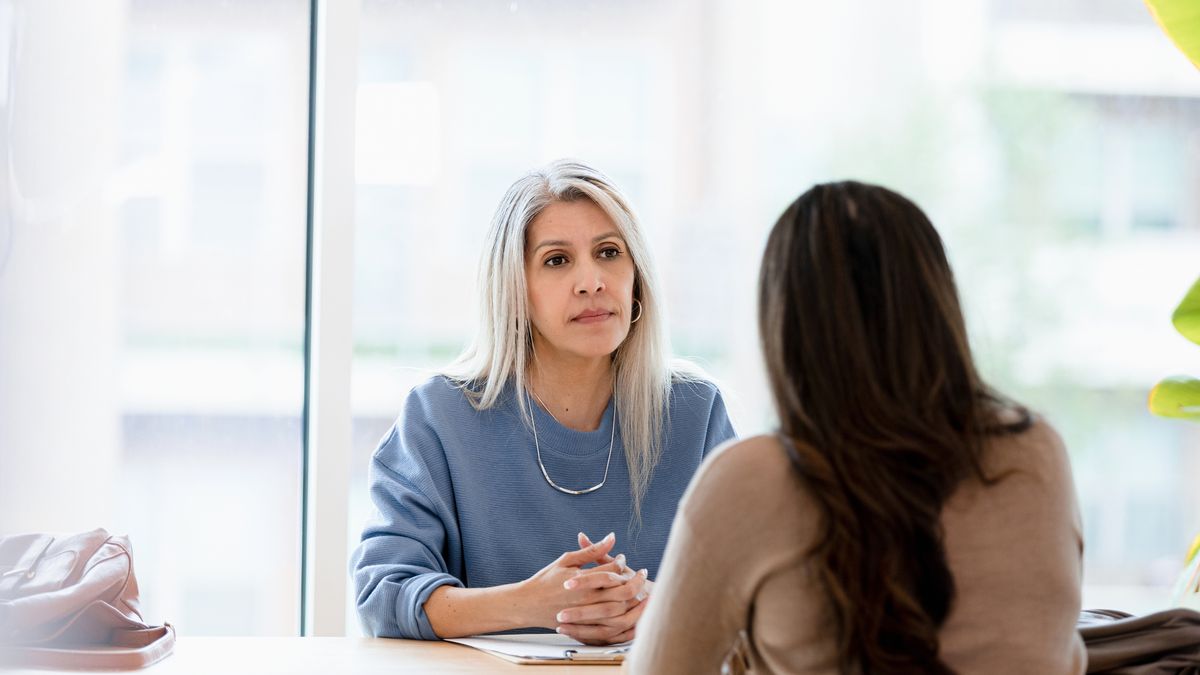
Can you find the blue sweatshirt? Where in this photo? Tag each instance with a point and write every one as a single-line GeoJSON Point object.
{"type": "Point", "coordinates": [459, 497]}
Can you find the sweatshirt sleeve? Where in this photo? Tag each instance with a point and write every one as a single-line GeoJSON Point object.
{"type": "Point", "coordinates": [720, 429]}
{"type": "Point", "coordinates": [411, 544]}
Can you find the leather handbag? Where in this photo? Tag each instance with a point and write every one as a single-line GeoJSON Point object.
{"type": "Point", "coordinates": [1162, 643]}
{"type": "Point", "coordinates": [72, 602]}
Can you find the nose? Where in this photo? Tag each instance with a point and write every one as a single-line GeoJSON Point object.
{"type": "Point", "coordinates": [590, 280]}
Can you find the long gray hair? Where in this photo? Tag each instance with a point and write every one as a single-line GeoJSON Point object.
{"type": "Point", "coordinates": [503, 345]}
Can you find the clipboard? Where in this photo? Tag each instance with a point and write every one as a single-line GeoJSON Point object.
{"type": "Point", "coordinates": [535, 649]}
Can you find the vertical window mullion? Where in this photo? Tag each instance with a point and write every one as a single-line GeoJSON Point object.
{"type": "Point", "coordinates": [329, 340]}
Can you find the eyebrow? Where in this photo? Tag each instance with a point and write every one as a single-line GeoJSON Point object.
{"type": "Point", "coordinates": [595, 240]}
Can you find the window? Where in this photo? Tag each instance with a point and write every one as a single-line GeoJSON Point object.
{"type": "Point", "coordinates": [152, 276]}
{"type": "Point", "coordinates": [1057, 184]}
{"type": "Point", "coordinates": [153, 195]}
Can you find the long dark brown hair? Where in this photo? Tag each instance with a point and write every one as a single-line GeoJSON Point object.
{"type": "Point", "coordinates": [871, 372]}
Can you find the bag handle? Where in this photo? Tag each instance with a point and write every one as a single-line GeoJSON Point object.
{"type": "Point", "coordinates": [132, 649]}
{"type": "Point", "coordinates": [27, 563]}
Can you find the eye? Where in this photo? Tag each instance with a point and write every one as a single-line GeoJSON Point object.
{"type": "Point", "coordinates": [556, 261]}
{"type": "Point", "coordinates": [610, 252]}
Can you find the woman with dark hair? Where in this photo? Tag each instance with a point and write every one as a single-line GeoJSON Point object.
{"type": "Point", "coordinates": [907, 518]}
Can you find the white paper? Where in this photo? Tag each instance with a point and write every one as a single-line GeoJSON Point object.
{"type": "Point", "coordinates": [538, 645]}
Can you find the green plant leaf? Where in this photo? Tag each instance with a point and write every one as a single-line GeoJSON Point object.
{"type": "Point", "coordinates": [1187, 315]}
{"type": "Point", "coordinates": [1178, 397]}
{"type": "Point", "coordinates": [1180, 20]}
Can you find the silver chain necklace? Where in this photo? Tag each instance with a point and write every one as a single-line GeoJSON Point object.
{"type": "Point", "coordinates": [538, 447]}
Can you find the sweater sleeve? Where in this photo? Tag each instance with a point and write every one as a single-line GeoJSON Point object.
{"type": "Point", "coordinates": [720, 429]}
{"type": "Point", "coordinates": [1016, 551]}
{"type": "Point", "coordinates": [408, 546]}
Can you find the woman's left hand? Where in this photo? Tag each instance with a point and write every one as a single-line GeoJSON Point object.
{"type": "Point", "coordinates": [612, 613]}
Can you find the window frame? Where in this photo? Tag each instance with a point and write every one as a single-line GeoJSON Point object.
{"type": "Point", "coordinates": [329, 297]}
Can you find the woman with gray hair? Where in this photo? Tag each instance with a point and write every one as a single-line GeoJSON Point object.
{"type": "Point", "coordinates": [566, 416]}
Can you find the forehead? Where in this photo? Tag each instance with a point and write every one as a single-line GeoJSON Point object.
{"type": "Point", "coordinates": [575, 221]}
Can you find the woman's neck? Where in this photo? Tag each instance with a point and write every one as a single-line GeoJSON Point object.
{"type": "Point", "coordinates": [572, 389]}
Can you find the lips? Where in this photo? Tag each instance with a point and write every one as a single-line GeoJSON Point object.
{"type": "Point", "coordinates": [592, 316]}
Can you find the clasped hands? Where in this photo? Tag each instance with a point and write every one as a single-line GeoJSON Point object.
{"type": "Point", "coordinates": [597, 605]}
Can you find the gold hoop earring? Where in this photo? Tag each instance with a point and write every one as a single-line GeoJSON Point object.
{"type": "Point", "coordinates": [639, 311]}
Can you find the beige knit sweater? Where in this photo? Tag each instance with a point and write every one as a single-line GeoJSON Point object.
{"type": "Point", "coordinates": [733, 586]}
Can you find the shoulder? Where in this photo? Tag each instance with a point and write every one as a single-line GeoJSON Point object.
{"type": "Point", "coordinates": [691, 392]}
{"type": "Point", "coordinates": [749, 496]}
{"type": "Point", "coordinates": [438, 398]}
{"type": "Point", "coordinates": [696, 403]}
{"type": "Point", "coordinates": [440, 389]}
{"type": "Point", "coordinates": [738, 460]}
{"type": "Point", "coordinates": [751, 473]}
{"type": "Point", "coordinates": [1030, 474]}
{"type": "Point", "coordinates": [1038, 451]}
{"type": "Point", "coordinates": [437, 418]}
{"type": "Point", "coordinates": [433, 411]}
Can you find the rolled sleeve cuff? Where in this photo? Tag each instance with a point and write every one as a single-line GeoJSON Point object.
{"type": "Point", "coordinates": [411, 617]}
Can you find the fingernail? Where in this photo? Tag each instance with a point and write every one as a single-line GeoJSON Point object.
{"type": "Point", "coordinates": [611, 536]}
{"type": "Point", "coordinates": [644, 572]}
{"type": "Point", "coordinates": [561, 617]}
{"type": "Point", "coordinates": [558, 630]}
{"type": "Point", "coordinates": [641, 596]}
{"type": "Point", "coordinates": [621, 560]}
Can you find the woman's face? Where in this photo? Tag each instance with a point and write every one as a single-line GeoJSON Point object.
{"type": "Point", "coordinates": [580, 280]}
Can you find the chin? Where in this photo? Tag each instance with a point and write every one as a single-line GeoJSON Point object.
{"type": "Point", "coordinates": [596, 352]}
{"type": "Point", "coordinates": [597, 346]}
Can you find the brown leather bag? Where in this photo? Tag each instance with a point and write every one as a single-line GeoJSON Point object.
{"type": "Point", "coordinates": [72, 602]}
{"type": "Point", "coordinates": [1162, 643]}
